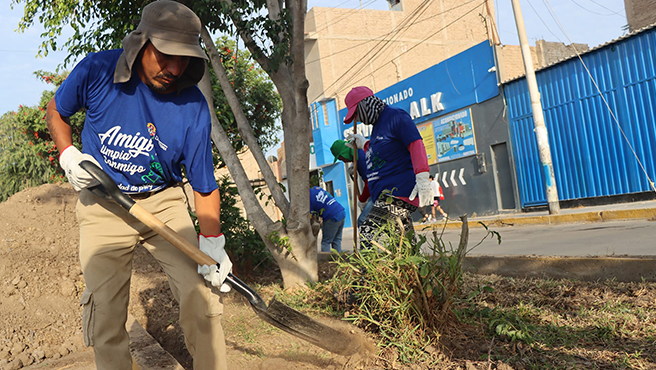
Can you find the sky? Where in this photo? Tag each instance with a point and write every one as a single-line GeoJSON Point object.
{"type": "Point", "coordinates": [592, 22]}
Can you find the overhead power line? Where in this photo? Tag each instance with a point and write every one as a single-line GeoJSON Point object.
{"type": "Point", "coordinates": [410, 19]}
{"type": "Point", "coordinates": [389, 33]}
{"type": "Point", "coordinates": [438, 31]}
{"type": "Point", "coordinates": [392, 33]}
{"type": "Point", "coordinates": [344, 16]}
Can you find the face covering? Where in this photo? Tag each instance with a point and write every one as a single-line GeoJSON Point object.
{"type": "Point", "coordinates": [369, 109]}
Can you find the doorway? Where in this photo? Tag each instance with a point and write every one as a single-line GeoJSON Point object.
{"type": "Point", "coordinates": [502, 176]}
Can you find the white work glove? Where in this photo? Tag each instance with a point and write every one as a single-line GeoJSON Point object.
{"type": "Point", "coordinates": [356, 139]}
{"type": "Point", "coordinates": [214, 246]}
{"type": "Point", "coordinates": [70, 160]}
{"type": "Point", "coordinates": [423, 189]}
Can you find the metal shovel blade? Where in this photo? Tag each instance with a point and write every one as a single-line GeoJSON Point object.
{"type": "Point", "coordinates": [300, 325]}
{"type": "Point", "coordinates": [296, 323]}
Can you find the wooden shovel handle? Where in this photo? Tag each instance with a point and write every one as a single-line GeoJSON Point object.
{"type": "Point", "coordinates": [109, 190]}
{"type": "Point", "coordinates": [171, 236]}
{"type": "Point", "coordinates": [109, 187]}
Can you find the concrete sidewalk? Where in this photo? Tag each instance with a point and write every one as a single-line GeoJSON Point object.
{"type": "Point", "coordinates": [609, 212]}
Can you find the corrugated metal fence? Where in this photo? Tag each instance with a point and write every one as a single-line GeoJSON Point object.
{"type": "Point", "coordinates": [591, 157]}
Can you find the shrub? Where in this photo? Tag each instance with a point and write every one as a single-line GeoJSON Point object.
{"type": "Point", "coordinates": [403, 291]}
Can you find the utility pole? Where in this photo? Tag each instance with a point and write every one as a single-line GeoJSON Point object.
{"type": "Point", "coordinates": [538, 115]}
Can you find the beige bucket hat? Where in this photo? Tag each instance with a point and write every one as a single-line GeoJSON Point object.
{"type": "Point", "coordinates": [173, 29]}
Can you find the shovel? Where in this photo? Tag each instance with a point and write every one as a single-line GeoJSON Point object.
{"type": "Point", "coordinates": [276, 314]}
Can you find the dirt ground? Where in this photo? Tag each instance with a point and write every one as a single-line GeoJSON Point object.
{"type": "Point", "coordinates": [41, 284]}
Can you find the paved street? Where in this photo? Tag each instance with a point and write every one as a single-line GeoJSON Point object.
{"type": "Point", "coordinates": [631, 237]}
{"type": "Point", "coordinates": [635, 238]}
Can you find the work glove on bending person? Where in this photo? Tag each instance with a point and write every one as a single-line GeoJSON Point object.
{"type": "Point", "coordinates": [423, 189]}
{"type": "Point", "coordinates": [69, 160]}
{"type": "Point", "coordinates": [214, 246]}
{"type": "Point", "coordinates": [356, 140]}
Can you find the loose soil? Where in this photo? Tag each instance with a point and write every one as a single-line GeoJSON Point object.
{"type": "Point", "coordinates": [41, 284]}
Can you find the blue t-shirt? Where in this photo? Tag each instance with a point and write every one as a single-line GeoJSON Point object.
{"type": "Point", "coordinates": [389, 165]}
{"type": "Point", "coordinates": [140, 137]}
{"type": "Point", "coordinates": [324, 205]}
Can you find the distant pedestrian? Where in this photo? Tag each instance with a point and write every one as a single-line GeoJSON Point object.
{"type": "Point", "coordinates": [323, 205]}
{"type": "Point", "coordinates": [438, 195]}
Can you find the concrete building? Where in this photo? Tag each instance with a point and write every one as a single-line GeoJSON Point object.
{"type": "Point", "coordinates": [640, 13]}
{"type": "Point", "coordinates": [378, 48]}
{"type": "Point", "coordinates": [257, 180]}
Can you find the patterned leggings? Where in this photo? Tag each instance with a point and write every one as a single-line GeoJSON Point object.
{"type": "Point", "coordinates": [386, 209]}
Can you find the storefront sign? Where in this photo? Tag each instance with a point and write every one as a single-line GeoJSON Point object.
{"type": "Point", "coordinates": [454, 136]}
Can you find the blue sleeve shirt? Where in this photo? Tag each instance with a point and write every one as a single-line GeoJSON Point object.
{"type": "Point", "coordinates": [324, 205]}
{"type": "Point", "coordinates": [362, 164]}
{"type": "Point", "coordinates": [389, 165]}
{"type": "Point", "coordinates": [141, 138]}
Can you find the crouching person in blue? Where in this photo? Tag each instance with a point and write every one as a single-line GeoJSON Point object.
{"type": "Point", "coordinates": [333, 215]}
{"type": "Point", "coordinates": [145, 119]}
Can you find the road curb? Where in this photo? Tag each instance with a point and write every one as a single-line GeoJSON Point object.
{"type": "Point", "coordinates": [621, 269]}
{"type": "Point", "coordinates": [146, 351]}
{"type": "Point", "coordinates": [629, 214]}
{"type": "Point", "coordinates": [502, 221]}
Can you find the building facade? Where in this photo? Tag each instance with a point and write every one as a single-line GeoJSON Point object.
{"type": "Point", "coordinates": [600, 115]}
{"type": "Point", "coordinates": [378, 48]}
{"type": "Point", "coordinates": [640, 13]}
{"type": "Point", "coordinates": [459, 113]}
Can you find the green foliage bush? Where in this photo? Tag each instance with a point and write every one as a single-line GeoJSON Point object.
{"type": "Point", "coordinates": [28, 156]}
{"type": "Point", "coordinates": [257, 95]}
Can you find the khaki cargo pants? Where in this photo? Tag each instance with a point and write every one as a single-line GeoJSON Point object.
{"type": "Point", "coordinates": [108, 236]}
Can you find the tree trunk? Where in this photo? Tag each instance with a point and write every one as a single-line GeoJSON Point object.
{"type": "Point", "coordinates": [300, 265]}
{"type": "Point", "coordinates": [294, 246]}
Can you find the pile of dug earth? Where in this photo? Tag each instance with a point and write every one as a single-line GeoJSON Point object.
{"type": "Point", "coordinates": [40, 278]}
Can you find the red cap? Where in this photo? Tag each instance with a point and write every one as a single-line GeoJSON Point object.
{"type": "Point", "coordinates": [353, 98]}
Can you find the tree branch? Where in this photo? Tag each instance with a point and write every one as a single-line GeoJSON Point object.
{"type": "Point", "coordinates": [245, 129]}
{"type": "Point", "coordinates": [298, 11]}
{"type": "Point", "coordinates": [256, 51]}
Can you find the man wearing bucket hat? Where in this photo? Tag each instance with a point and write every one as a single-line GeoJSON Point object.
{"type": "Point", "coordinates": [145, 119]}
{"type": "Point", "coordinates": [343, 152]}
{"type": "Point", "coordinates": [396, 159]}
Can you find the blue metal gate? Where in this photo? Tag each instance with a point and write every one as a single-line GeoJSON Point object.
{"type": "Point", "coordinates": [591, 156]}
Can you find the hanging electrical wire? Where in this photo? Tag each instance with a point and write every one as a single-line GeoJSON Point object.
{"type": "Point", "coordinates": [383, 38]}
{"type": "Point", "coordinates": [433, 34]}
{"type": "Point", "coordinates": [343, 16]}
{"type": "Point", "coordinates": [410, 20]}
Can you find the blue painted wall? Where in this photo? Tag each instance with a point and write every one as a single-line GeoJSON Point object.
{"type": "Point", "coordinates": [463, 80]}
{"type": "Point", "coordinates": [324, 131]}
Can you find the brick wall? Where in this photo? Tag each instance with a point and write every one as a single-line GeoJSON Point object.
{"type": "Point", "coordinates": [640, 13]}
{"type": "Point", "coordinates": [551, 52]}
{"type": "Point", "coordinates": [511, 63]}
{"type": "Point", "coordinates": [350, 47]}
